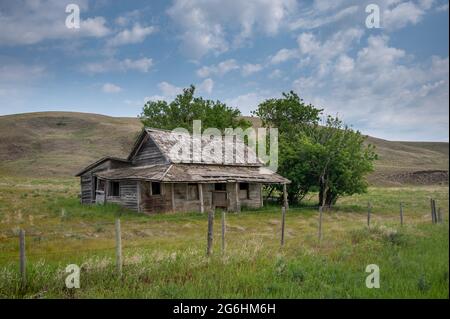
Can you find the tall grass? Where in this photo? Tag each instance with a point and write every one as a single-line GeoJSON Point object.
{"type": "Point", "coordinates": [164, 254]}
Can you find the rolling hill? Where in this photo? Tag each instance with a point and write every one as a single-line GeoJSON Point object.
{"type": "Point", "coordinates": [58, 144]}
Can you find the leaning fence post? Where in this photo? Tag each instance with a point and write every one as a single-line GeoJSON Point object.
{"type": "Point", "coordinates": [283, 216]}
{"type": "Point", "coordinates": [223, 231]}
{"type": "Point", "coordinates": [210, 231]}
{"type": "Point", "coordinates": [22, 257]}
{"type": "Point", "coordinates": [369, 210]}
{"type": "Point", "coordinates": [320, 222]}
{"type": "Point", "coordinates": [433, 211]}
{"type": "Point", "coordinates": [118, 248]}
{"type": "Point", "coordinates": [401, 213]}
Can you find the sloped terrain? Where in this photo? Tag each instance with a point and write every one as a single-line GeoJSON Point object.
{"type": "Point", "coordinates": [58, 144]}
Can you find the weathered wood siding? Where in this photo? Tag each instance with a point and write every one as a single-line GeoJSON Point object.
{"type": "Point", "coordinates": [87, 180]}
{"type": "Point", "coordinates": [154, 203]}
{"type": "Point", "coordinates": [127, 195]}
{"type": "Point", "coordinates": [254, 200]}
{"type": "Point", "coordinates": [148, 154]}
{"type": "Point", "coordinates": [86, 188]}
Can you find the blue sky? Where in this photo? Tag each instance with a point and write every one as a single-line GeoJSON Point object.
{"type": "Point", "coordinates": [390, 82]}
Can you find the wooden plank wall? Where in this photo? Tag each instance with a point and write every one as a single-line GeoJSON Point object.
{"type": "Point", "coordinates": [86, 188]}
{"type": "Point", "coordinates": [149, 154]}
{"type": "Point", "coordinates": [255, 196]}
{"type": "Point", "coordinates": [128, 195]}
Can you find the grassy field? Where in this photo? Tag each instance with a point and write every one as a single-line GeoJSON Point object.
{"type": "Point", "coordinates": [164, 255]}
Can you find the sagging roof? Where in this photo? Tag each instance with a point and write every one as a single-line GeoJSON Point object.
{"type": "Point", "coordinates": [167, 142]}
{"type": "Point", "coordinates": [100, 161]}
{"type": "Point", "coordinates": [185, 173]}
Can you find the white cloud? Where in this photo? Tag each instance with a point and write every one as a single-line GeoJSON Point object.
{"type": "Point", "coordinates": [284, 55]}
{"type": "Point", "coordinates": [312, 19]}
{"type": "Point", "coordinates": [28, 22]}
{"type": "Point", "coordinates": [111, 88]}
{"type": "Point", "coordinates": [381, 90]}
{"type": "Point", "coordinates": [401, 15]}
{"type": "Point", "coordinates": [249, 69]}
{"type": "Point", "coordinates": [112, 65]}
{"type": "Point", "coordinates": [345, 64]}
{"type": "Point", "coordinates": [214, 25]}
{"type": "Point", "coordinates": [219, 69]}
{"type": "Point", "coordinates": [275, 74]}
{"type": "Point", "coordinates": [206, 86]}
{"type": "Point", "coordinates": [134, 35]}
{"type": "Point", "coordinates": [247, 102]}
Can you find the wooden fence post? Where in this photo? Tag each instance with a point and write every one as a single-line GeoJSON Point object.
{"type": "Point", "coordinates": [223, 230]}
{"type": "Point", "coordinates": [320, 222]}
{"type": "Point", "coordinates": [369, 211]}
{"type": "Point", "coordinates": [285, 197]}
{"type": "Point", "coordinates": [401, 214]}
{"type": "Point", "coordinates": [22, 265]}
{"type": "Point", "coordinates": [118, 248]}
{"type": "Point", "coordinates": [439, 215]}
{"type": "Point", "coordinates": [210, 231]}
{"type": "Point", "coordinates": [283, 216]}
{"type": "Point", "coordinates": [433, 211]}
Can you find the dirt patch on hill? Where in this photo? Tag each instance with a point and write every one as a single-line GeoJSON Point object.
{"type": "Point", "coordinates": [427, 177]}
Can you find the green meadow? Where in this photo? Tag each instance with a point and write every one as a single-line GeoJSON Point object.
{"type": "Point", "coordinates": [164, 255]}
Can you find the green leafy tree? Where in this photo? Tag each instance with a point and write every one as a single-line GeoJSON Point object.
{"type": "Point", "coordinates": [343, 162]}
{"type": "Point", "coordinates": [330, 156]}
{"type": "Point", "coordinates": [295, 120]}
{"type": "Point", "coordinates": [186, 108]}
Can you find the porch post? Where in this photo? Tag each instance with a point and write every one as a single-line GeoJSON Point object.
{"type": "Point", "coordinates": [172, 195]}
{"type": "Point", "coordinates": [238, 204]}
{"type": "Point", "coordinates": [261, 194]}
{"type": "Point", "coordinates": [200, 197]}
{"type": "Point", "coordinates": [106, 191]}
{"type": "Point", "coordinates": [138, 186]}
{"type": "Point", "coordinates": [285, 197]}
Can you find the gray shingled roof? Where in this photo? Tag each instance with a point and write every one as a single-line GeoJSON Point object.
{"type": "Point", "coordinates": [167, 142]}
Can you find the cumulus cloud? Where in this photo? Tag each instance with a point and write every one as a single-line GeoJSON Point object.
{"type": "Point", "coordinates": [30, 22]}
{"type": "Point", "coordinates": [249, 69]}
{"type": "Point", "coordinates": [218, 69]}
{"type": "Point", "coordinates": [206, 86]}
{"type": "Point", "coordinates": [137, 34]}
{"type": "Point", "coordinates": [248, 102]}
{"type": "Point", "coordinates": [111, 88]}
{"type": "Point", "coordinates": [380, 89]}
{"type": "Point", "coordinates": [213, 25]}
{"type": "Point", "coordinates": [399, 16]}
{"type": "Point", "coordinates": [283, 55]}
{"type": "Point", "coordinates": [112, 65]}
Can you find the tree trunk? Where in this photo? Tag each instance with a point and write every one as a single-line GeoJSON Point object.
{"type": "Point", "coordinates": [321, 196]}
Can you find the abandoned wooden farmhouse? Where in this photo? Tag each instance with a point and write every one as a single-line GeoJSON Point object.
{"type": "Point", "coordinates": [153, 179]}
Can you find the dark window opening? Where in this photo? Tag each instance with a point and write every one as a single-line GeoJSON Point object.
{"type": "Point", "coordinates": [156, 188]}
{"type": "Point", "coordinates": [220, 186]}
{"type": "Point", "coordinates": [244, 190]}
{"type": "Point", "coordinates": [114, 189]}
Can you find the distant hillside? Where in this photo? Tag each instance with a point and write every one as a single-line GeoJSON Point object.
{"type": "Point", "coordinates": [47, 144]}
